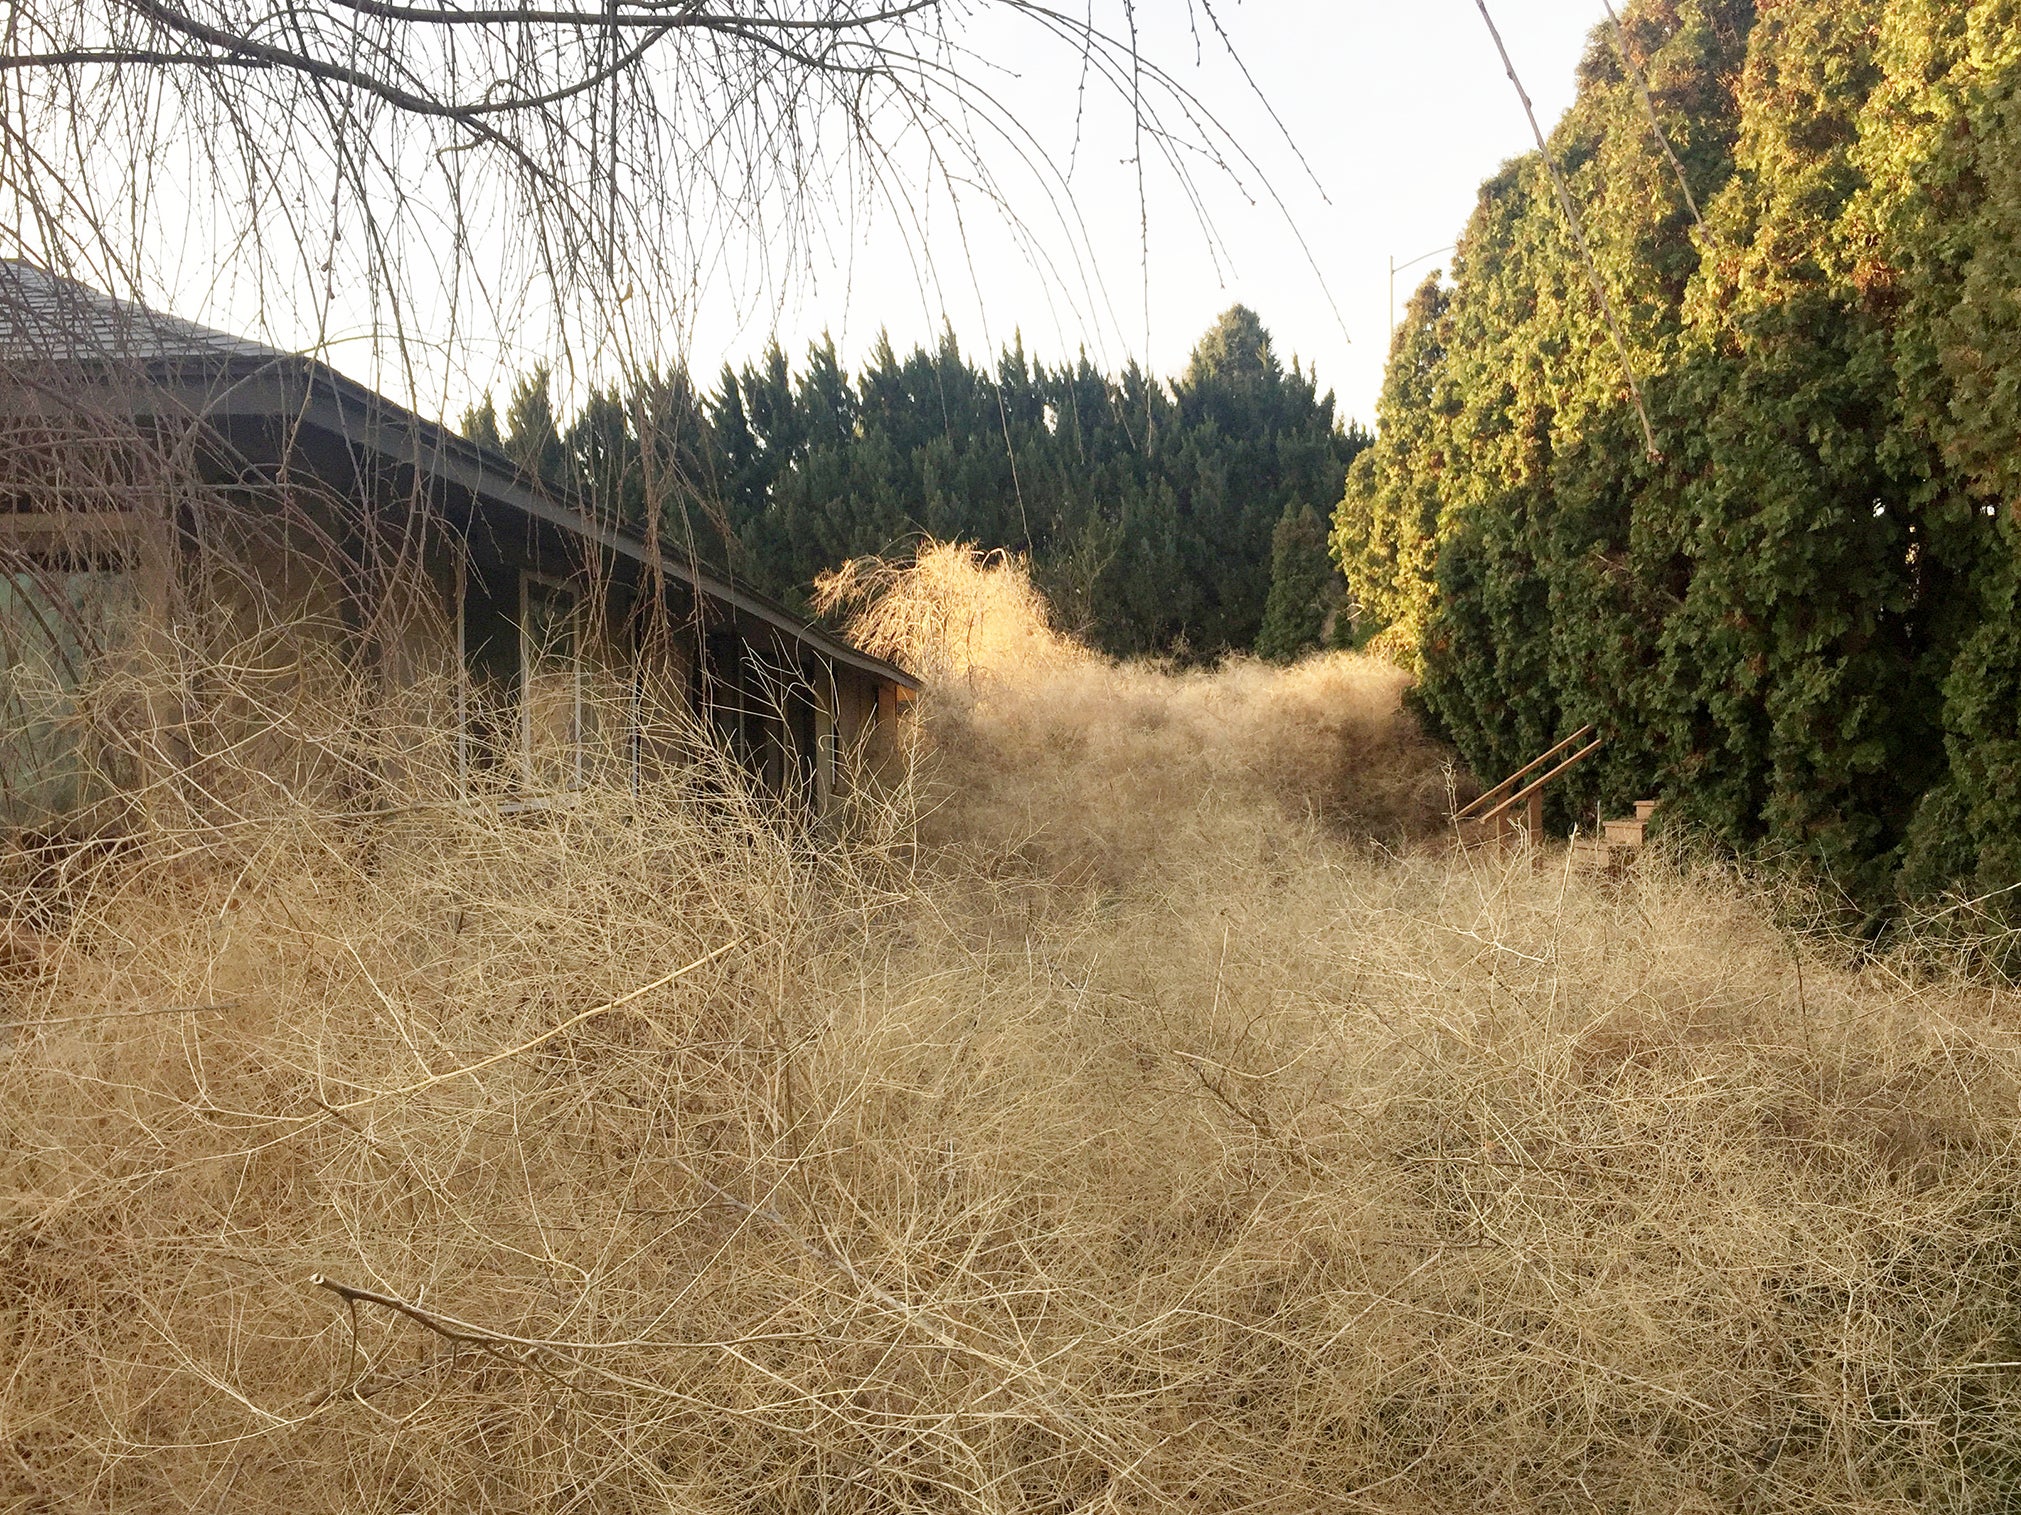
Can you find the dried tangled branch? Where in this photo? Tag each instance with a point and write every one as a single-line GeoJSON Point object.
{"type": "Point", "coordinates": [1262, 1173]}
{"type": "Point", "coordinates": [456, 175]}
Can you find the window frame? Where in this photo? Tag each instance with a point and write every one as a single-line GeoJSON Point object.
{"type": "Point", "coordinates": [531, 580]}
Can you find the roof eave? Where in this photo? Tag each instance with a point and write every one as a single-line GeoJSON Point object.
{"type": "Point", "coordinates": [490, 475]}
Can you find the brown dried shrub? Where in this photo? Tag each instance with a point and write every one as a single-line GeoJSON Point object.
{"type": "Point", "coordinates": [973, 1169]}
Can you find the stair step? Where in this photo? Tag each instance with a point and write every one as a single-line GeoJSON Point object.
{"type": "Point", "coordinates": [1597, 855]}
{"type": "Point", "coordinates": [1644, 809]}
{"type": "Point", "coordinates": [1517, 800]}
{"type": "Point", "coordinates": [1625, 833]}
{"type": "Point", "coordinates": [1474, 833]}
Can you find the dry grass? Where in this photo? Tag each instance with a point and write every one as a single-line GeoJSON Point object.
{"type": "Point", "coordinates": [1076, 1155]}
{"type": "Point", "coordinates": [1036, 749]}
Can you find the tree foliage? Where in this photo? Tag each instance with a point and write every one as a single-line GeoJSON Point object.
{"type": "Point", "coordinates": [1147, 509]}
{"type": "Point", "coordinates": [1797, 625]}
{"type": "Point", "coordinates": [1304, 589]}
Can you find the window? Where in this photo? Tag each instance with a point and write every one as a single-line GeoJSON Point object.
{"type": "Point", "coordinates": [550, 683]}
{"type": "Point", "coordinates": [57, 623]}
{"type": "Point", "coordinates": [522, 699]}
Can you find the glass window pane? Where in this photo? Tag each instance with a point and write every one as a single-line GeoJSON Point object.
{"type": "Point", "coordinates": [551, 693]}
{"type": "Point", "coordinates": [56, 625]}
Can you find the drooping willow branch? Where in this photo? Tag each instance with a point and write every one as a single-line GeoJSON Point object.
{"type": "Point", "coordinates": [673, 116]}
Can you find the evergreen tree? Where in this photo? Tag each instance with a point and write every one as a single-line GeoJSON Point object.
{"type": "Point", "coordinates": [1943, 157]}
{"type": "Point", "coordinates": [1147, 509]}
{"type": "Point", "coordinates": [1796, 625]}
{"type": "Point", "coordinates": [1304, 589]}
{"type": "Point", "coordinates": [532, 439]}
{"type": "Point", "coordinates": [1385, 534]}
{"type": "Point", "coordinates": [480, 423]}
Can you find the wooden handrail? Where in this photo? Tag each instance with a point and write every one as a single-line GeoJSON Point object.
{"type": "Point", "coordinates": [1466, 812]}
{"type": "Point", "coordinates": [1535, 787]}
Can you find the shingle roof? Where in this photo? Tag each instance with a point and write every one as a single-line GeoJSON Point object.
{"type": "Point", "coordinates": [45, 317]}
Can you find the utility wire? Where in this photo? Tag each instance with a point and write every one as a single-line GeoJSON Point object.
{"type": "Point", "coordinates": [1579, 237]}
{"type": "Point", "coordinates": [1641, 83]}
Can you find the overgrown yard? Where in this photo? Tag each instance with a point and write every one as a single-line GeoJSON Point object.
{"type": "Point", "coordinates": [1140, 1108]}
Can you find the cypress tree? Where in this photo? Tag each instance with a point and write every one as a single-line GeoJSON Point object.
{"type": "Point", "coordinates": [1943, 155]}
{"type": "Point", "coordinates": [1148, 509]}
{"type": "Point", "coordinates": [1797, 625]}
{"type": "Point", "coordinates": [1304, 589]}
{"type": "Point", "coordinates": [1385, 533]}
{"type": "Point", "coordinates": [531, 436]}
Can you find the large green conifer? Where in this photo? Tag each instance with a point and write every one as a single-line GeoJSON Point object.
{"type": "Point", "coordinates": [1304, 588]}
{"type": "Point", "coordinates": [1776, 621]}
{"type": "Point", "coordinates": [1147, 509]}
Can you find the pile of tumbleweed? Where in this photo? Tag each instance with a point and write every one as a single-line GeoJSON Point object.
{"type": "Point", "coordinates": [1048, 1139]}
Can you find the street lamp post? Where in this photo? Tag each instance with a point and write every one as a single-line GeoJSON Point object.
{"type": "Point", "coordinates": [1396, 268]}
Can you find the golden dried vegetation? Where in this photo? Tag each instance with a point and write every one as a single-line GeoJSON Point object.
{"type": "Point", "coordinates": [1138, 1108]}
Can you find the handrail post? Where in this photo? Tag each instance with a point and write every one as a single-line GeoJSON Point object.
{"type": "Point", "coordinates": [1500, 817]}
{"type": "Point", "coordinates": [1514, 781]}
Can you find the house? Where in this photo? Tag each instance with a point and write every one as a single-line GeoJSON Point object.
{"type": "Point", "coordinates": [158, 477]}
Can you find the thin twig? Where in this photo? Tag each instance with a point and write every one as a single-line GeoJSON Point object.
{"type": "Point", "coordinates": [1636, 76]}
{"type": "Point", "coordinates": [120, 1015]}
{"type": "Point", "coordinates": [546, 1036]}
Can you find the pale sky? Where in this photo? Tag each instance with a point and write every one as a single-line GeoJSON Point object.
{"type": "Point", "coordinates": [1399, 110]}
